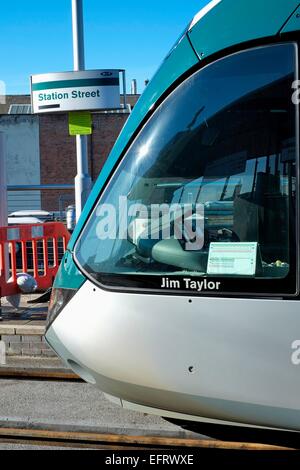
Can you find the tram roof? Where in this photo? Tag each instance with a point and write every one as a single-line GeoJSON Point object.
{"type": "Point", "coordinates": [225, 23]}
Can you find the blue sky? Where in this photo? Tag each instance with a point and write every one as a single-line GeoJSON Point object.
{"type": "Point", "coordinates": [36, 36]}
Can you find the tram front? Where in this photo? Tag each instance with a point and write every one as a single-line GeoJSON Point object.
{"type": "Point", "coordinates": [188, 259]}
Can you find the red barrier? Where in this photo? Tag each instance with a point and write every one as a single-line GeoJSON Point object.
{"type": "Point", "coordinates": [33, 249]}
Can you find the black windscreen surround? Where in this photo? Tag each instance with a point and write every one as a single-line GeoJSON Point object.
{"type": "Point", "coordinates": [205, 198]}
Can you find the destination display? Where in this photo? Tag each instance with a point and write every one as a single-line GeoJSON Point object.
{"type": "Point", "coordinates": [75, 91]}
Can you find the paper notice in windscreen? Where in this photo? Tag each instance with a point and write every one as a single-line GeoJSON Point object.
{"type": "Point", "coordinates": [232, 259]}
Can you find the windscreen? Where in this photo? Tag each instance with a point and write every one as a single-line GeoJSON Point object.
{"type": "Point", "coordinates": [204, 200]}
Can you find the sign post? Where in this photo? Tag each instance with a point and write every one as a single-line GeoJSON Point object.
{"type": "Point", "coordinates": [75, 92]}
{"type": "Point", "coordinates": [83, 181]}
{"type": "Point", "coordinates": [3, 206]}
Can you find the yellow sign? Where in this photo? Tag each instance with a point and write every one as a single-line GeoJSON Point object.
{"type": "Point", "coordinates": [80, 123]}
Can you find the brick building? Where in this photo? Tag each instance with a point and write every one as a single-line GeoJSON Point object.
{"type": "Point", "coordinates": [54, 160]}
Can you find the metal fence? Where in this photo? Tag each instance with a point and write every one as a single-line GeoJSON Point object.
{"type": "Point", "coordinates": [54, 199]}
{"type": "Point", "coordinates": [30, 204]}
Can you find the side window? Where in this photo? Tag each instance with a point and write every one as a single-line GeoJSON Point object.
{"type": "Point", "coordinates": [208, 188]}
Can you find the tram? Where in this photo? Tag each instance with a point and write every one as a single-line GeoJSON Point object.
{"type": "Point", "coordinates": [179, 292]}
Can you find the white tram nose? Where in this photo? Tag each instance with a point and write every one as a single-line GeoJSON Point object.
{"type": "Point", "coordinates": [179, 354]}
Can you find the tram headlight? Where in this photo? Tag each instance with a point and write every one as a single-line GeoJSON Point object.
{"type": "Point", "coordinates": [59, 299]}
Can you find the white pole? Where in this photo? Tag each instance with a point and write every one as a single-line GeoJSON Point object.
{"type": "Point", "coordinates": [83, 182]}
{"type": "Point", "coordinates": [3, 201]}
{"type": "Point", "coordinates": [3, 184]}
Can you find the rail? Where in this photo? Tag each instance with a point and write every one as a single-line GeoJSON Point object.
{"type": "Point", "coordinates": [98, 440]}
{"type": "Point", "coordinates": [38, 374]}
{"type": "Point", "coordinates": [94, 440]}
{"type": "Point", "coordinates": [41, 187]}
{"type": "Point", "coordinates": [54, 199]}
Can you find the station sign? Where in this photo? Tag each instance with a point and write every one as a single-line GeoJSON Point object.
{"type": "Point", "coordinates": [75, 91]}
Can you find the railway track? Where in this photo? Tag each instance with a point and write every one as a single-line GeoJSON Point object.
{"type": "Point", "coordinates": [39, 374]}
{"type": "Point", "coordinates": [93, 440]}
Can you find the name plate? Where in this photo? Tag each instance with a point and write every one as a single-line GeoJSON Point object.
{"type": "Point", "coordinates": [236, 259]}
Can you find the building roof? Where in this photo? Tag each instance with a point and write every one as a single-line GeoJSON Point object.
{"type": "Point", "coordinates": [13, 99]}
